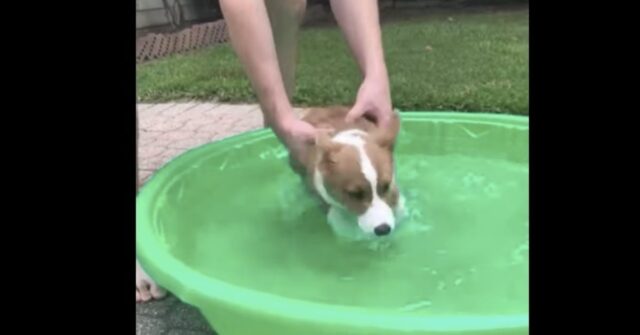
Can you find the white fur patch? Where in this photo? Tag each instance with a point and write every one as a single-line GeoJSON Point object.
{"type": "Point", "coordinates": [379, 211]}
{"type": "Point", "coordinates": [318, 183]}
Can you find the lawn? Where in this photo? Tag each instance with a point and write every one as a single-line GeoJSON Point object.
{"type": "Point", "coordinates": [460, 61]}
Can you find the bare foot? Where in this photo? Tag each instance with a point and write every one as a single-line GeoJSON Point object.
{"type": "Point", "coordinates": [146, 288]}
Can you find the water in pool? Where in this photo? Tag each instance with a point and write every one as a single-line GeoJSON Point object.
{"type": "Point", "coordinates": [463, 247]}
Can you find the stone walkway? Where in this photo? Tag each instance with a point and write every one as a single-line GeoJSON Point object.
{"type": "Point", "coordinates": [166, 130]}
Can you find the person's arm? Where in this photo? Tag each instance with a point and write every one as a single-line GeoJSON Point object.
{"type": "Point", "coordinates": [360, 25]}
{"type": "Point", "coordinates": [252, 39]}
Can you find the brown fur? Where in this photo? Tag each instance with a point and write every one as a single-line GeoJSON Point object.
{"type": "Point", "coordinates": [339, 163]}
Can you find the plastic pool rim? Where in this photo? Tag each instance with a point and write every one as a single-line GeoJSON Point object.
{"type": "Point", "coordinates": [174, 274]}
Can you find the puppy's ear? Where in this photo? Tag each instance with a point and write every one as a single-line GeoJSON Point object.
{"type": "Point", "coordinates": [326, 147]}
{"type": "Point", "coordinates": [386, 136]}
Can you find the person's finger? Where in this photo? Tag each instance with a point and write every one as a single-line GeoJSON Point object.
{"type": "Point", "coordinates": [325, 130]}
{"type": "Point", "coordinates": [356, 111]}
{"type": "Point", "coordinates": [309, 136]}
{"type": "Point", "coordinates": [384, 120]}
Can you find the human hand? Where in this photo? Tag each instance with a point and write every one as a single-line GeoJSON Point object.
{"type": "Point", "coordinates": [373, 101]}
{"type": "Point", "coordinates": [296, 135]}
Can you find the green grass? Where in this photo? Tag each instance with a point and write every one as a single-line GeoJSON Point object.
{"type": "Point", "coordinates": [476, 62]}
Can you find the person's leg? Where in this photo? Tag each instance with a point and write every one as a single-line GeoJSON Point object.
{"type": "Point", "coordinates": [285, 17]}
{"type": "Point", "coordinates": [146, 288]}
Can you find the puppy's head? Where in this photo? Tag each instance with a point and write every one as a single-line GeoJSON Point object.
{"type": "Point", "coordinates": [355, 171]}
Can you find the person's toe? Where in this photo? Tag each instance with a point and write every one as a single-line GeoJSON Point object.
{"type": "Point", "coordinates": [143, 288]}
{"type": "Point", "coordinates": [157, 292]}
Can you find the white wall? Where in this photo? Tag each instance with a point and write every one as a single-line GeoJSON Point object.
{"type": "Point", "coordinates": [151, 13]}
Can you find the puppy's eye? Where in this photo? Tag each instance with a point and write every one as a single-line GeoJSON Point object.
{"type": "Point", "coordinates": [383, 188]}
{"type": "Point", "coordinates": [356, 194]}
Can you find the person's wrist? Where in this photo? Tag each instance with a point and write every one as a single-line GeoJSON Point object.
{"type": "Point", "coordinates": [277, 109]}
{"type": "Point", "coordinates": [283, 123]}
{"type": "Point", "coordinates": [379, 79]}
{"type": "Point", "coordinates": [377, 71]}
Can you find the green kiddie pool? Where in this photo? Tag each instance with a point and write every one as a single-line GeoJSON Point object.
{"type": "Point", "coordinates": [228, 228]}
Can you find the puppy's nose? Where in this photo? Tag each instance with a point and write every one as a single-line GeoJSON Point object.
{"type": "Point", "coordinates": [381, 230]}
